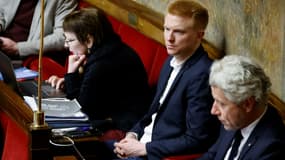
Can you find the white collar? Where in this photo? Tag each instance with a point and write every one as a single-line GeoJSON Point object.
{"type": "Point", "coordinates": [176, 64]}
{"type": "Point", "coordinates": [247, 130]}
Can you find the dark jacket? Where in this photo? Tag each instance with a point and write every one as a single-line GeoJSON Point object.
{"type": "Point", "coordinates": [114, 84]}
{"type": "Point", "coordinates": [183, 124]}
{"type": "Point", "coordinates": [266, 142]}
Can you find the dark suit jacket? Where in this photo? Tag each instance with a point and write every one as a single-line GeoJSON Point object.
{"type": "Point", "coordinates": [266, 142]}
{"type": "Point", "coordinates": [183, 123]}
{"type": "Point", "coordinates": [114, 84]}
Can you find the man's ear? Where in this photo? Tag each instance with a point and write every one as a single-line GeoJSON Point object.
{"type": "Point", "coordinates": [249, 104]}
{"type": "Point", "coordinates": [200, 34]}
{"type": "Point", "coordinates": [90, 41]}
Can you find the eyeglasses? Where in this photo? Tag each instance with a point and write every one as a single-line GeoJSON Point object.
{"type": "Point", "coordinates": [68, 41]}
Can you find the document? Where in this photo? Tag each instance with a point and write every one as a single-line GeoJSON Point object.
{"type": "Point", "coordinates": [60, 112]}
{"type": "Point", "coordinates": [58, 108]}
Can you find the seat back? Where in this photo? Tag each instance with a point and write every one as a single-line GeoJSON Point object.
{"type": "Point", "coordinates": [152, 53]}
{"type": "Point", "coordinates": [15, 140]}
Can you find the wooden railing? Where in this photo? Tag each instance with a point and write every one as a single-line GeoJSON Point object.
{"type": "Point", "coordinates": [13, 105]}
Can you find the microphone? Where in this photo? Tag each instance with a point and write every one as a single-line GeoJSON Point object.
{"type": "Point", "coordinates": [39, 117]}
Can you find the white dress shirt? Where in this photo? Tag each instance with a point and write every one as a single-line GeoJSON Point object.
{"type": "Point", "coordinates": [176, 68]}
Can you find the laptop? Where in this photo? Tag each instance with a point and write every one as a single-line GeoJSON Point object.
{"type": "Point", "coordinates": [25, 88]}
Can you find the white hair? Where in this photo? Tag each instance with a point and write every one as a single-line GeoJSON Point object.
{"type": "Point", "coordinates": [240, 78]}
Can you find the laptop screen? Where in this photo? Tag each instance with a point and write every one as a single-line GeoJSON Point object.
{"type": "Point", "coordinates": [7, 72]}
{"type": "Point", "coordinates": [26, 88]}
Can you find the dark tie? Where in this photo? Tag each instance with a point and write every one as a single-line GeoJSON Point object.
{"type": "Point", "coordinates": [235, 146]}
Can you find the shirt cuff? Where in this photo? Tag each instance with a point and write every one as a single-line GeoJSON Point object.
{"type": "Point", "coordinates": [132, 135]}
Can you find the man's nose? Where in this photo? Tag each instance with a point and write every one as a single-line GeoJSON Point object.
{"type": "Point", "coordinates": [214, 109]}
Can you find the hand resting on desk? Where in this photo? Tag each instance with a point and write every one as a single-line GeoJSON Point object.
{"type": "Point", "coordinates": [56, 82]}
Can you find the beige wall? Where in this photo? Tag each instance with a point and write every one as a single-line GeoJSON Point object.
{"type": "Point", "coordinates": [254, 27]}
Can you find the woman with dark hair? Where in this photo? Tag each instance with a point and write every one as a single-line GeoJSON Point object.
{"type": "Point", "coordinates": [105, 75]}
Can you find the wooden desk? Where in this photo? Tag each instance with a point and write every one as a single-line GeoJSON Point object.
{"type": "Point", "coordinates": [14, 105]}
{"type": "Point", "coordinates": [21, 116]}
{"type": "Point", "coordinates": [78, 148]}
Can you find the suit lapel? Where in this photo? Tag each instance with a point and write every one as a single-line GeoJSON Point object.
{"type": "Point", "coordinates": [176, 80]}
{"type": "Point", "coordinates": [164, 81]}
{"type": "Point", "coordinates": [161, 87]}
{"type": "Point", "coordinates": [225, 144]}
{"type": "Point", "coordinates": [188, 63]}
{"type": "Point", "coordinates": [255, 134]}
{"type": "Point", "coordinates": [247, 146]}
{"type": "Point", "coordinates": [172, 87]}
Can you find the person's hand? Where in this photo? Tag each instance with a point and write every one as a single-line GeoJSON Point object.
{"type": "Point", "coordinates": [9, 47]}
{"type": "Point", "coordinates": [131, 135]}
{"type": "Point", "coordinates": [56, 82]}
{"type": "Point", "coordinates": [129, 147]}
{"type": "Point", "coordinates": [74, 62]}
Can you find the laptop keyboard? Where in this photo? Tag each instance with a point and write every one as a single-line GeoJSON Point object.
{"type": "Point", "coordinates": [30, 88]}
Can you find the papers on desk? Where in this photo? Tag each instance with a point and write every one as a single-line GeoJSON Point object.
{"type": "Point", "coordinates": [23, 73]}
{"type": "Point", "coordinates": [60, 112]}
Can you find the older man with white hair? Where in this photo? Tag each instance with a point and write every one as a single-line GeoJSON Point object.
{"type": "Point", "coordinates": [252, 129]}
